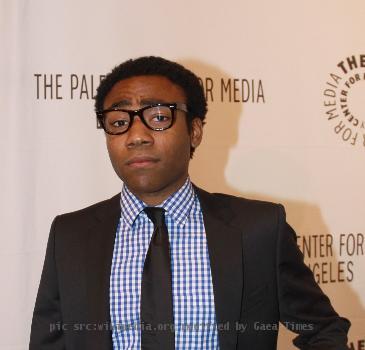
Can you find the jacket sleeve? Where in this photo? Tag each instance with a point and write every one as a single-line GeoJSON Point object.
{"type": "Point", "coordinates": [304, 308]}
{"type": "Point", "coordinates": [46, 330]}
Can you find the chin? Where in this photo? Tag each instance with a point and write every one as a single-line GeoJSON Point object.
{"type": "Point", "coordinates": [144, 185]}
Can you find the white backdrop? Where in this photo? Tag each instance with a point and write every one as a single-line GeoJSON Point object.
{"type": "Point", "coordinates": [294, 117]}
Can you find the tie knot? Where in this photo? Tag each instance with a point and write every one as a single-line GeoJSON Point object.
{"type": "Point", "coordinates": [156, 215]}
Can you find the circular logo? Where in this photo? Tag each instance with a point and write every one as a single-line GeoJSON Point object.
{"type": "Point", "coordinates": [344, 100]}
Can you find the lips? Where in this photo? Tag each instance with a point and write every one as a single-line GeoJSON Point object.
{"type": "Point", "coordinates": [141, 161]}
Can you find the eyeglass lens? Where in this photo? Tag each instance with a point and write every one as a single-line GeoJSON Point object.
{"type": "Point", "coordinates": [157, 117]}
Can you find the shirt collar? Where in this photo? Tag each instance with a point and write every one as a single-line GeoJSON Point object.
{"type": "Point", "coordinates": [177, 206]}
{"type": "Point", "coordinates": [130, 205]}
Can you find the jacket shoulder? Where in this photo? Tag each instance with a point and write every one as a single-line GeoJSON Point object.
{"type": "Point", "coordinates": [254, 215]}
{"type": "Point", "coordinates": [237, 204]}
{"type": "Point", "coordinates": [243, 201]}
{"type": "Point", "coordinates": [99, 210]}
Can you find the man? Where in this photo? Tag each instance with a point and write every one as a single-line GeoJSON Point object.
{"type": "Point", "coordinates": [232, 269]}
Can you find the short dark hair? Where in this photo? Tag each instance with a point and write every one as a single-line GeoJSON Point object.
{"type": "Point", "coordinates": [152, 65]}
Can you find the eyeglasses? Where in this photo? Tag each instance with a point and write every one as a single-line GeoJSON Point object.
{"type": "Point", "coordinates": [159, 116]}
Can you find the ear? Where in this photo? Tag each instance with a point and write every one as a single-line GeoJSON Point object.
{"type": "Point", "coordinates": [196, 133]}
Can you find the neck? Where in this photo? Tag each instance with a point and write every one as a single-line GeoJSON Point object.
{"type": "Point", "coordinates": [155, 198]}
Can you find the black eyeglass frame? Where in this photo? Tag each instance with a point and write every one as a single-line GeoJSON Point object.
{"type": "Point", "coordinates": [132, 113]}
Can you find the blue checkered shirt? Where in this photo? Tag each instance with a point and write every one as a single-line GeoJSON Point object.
{"type": "Point", "coordinates": [192, 289]}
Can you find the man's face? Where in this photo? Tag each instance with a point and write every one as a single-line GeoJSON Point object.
{"type": "Point", "coordinates": [153, 164]}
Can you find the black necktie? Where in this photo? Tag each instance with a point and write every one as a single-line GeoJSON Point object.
{"type": "Point", "coordinates": [157, 319]}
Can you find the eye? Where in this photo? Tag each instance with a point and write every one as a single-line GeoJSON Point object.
{"type": "Point", "coordinates": [120, 123]}
{"type": "Point", "coordinates": [117, 120]}
{"type": "Point", "coordinates": [160, 118]}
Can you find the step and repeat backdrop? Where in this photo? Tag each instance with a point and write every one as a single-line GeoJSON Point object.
{"type": "Point", "coordinates": [285, 83]}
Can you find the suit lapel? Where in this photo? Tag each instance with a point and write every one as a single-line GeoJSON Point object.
{"type": "Point", "coordinates": [98, 259]}
{"type": "Point", "coordinates": [225, 253]}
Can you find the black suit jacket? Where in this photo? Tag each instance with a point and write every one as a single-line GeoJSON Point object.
{"type": "Point", "coordinates": [258, 273]}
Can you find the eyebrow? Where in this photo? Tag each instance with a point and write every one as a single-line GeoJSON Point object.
{"type": "Point", "coordinates": [143, 102]}
{"type": "Point", "coordinates": [121, 103]}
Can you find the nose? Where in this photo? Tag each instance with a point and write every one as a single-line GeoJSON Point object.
{"type": "Point", "coordinates": [138, 134]}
